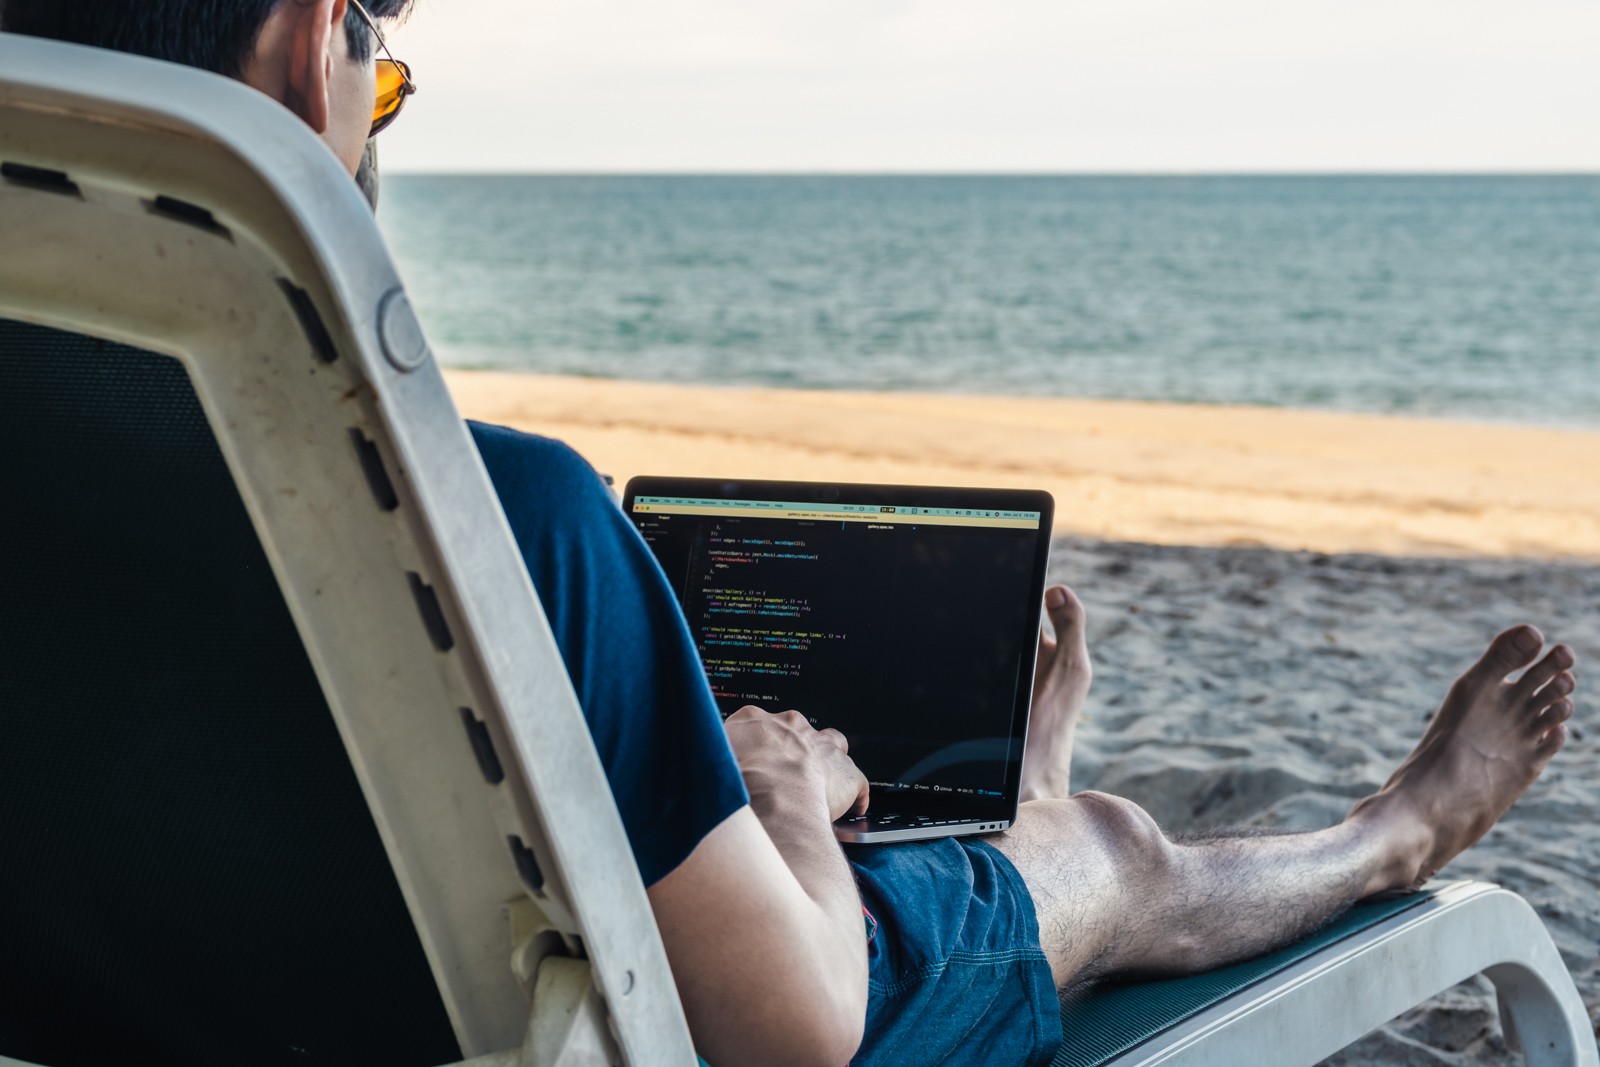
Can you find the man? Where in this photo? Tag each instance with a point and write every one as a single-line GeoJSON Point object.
{"type": "Point", "coordinates": [967, 941]}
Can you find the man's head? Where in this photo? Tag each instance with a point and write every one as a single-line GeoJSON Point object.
{"type": "Point", "coordinates": [312, 56]}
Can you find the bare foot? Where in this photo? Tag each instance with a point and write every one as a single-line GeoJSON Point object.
{"type": "Point", "coordinates": [1060, 686]}
{"type": "Point", "coordinates": [1486, 745]}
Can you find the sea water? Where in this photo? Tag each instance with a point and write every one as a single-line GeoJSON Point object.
{"type": "Point", "coordinates": [1462, 296]}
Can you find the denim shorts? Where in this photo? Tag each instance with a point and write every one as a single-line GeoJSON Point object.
{"type": "Point", "coordinates": [955, 972]}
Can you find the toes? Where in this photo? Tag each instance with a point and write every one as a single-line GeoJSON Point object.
{"type": "Point", "coordinates": [1068, 651]}
{"type": "Point", "coordinates": [1552, 741]}
{"type": "Point", "coordinates": [1064, 607]}
{"type": "Point", "coordinates": [1561, 685]}
{"type": "Point", "coordinates": [1558, 712]}
{"type": "Point", "coordinates": [1511, 650]}
{"type": "Point", "coordinates": [1066, 615]}
{"type": "Point", "coordinates": [1543, 673]}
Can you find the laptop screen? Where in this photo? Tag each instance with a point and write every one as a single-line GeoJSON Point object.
{"type": "Point", "coordinates": [905, 618]}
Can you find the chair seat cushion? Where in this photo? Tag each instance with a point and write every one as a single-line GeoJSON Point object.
{"type": "Point", "coordinates": [1109, 1020]}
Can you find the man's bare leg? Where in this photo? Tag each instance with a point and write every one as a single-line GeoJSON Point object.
{"type": "Point", "coordinates": [1060, 687]}
{"type": "Point", "coordinates": [1114, 895]}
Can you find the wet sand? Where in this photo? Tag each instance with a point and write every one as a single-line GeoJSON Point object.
{"type": "Point", "coordinates": [1241, 680]}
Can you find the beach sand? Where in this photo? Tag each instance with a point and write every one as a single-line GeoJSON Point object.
{"type": "Point", "coordinates": [1267, 689]}
{"type": "Point", "coordinates": [1241, 680]}
{"type": "Point", "coordinates": [1159, 473]}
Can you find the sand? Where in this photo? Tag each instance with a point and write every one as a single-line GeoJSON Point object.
{"type": "Point", "coordinates": [1158, 473]}
{"type": "Point", "coordinates": [1265, 689]}
{"type": "Point", "coordinates": [1240, 679]}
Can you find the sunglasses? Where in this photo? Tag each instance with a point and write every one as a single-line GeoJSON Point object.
{"type": "Point", "coordinates": [394, 79]}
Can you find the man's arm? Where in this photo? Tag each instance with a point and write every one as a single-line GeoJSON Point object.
{"type": "Point", "coordinates": [762, 923]}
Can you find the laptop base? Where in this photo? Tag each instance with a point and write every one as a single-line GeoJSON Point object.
{"type": "Point", "coordinates": [877, 830]}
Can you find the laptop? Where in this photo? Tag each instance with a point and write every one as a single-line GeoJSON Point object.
{"type": "Point", "coordinates": [905, 617]}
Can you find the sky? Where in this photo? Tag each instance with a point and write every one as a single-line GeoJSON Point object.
{"type": "Point", "coordinates": [1032, 86]}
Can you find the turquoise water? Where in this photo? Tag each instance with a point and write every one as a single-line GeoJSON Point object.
{"type": "Point", "coordinates": [1469, 297]}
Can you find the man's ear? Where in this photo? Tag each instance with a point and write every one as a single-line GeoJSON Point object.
{"type": "Point", "coordinates": [315, 41]}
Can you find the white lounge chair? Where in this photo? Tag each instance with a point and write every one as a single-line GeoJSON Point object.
{"type": "Point", "coordinates": [289, 764]}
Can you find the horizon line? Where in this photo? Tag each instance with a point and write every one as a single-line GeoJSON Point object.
{"type": "Point", "coordinates": [447, 172]}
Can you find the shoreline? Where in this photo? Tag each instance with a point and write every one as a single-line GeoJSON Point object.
{"type": "Point", "coordinates": [1172, 474]}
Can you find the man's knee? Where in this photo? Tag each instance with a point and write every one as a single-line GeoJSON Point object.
{"type": "Point", "coordinates": [1095, 864]}
{"type": "Point", "coordinates": [1121, 821]}
{"type": "Point", "coordinates": [1155, 872]}
{"type": "Point", "coordinates": [1122, 831]}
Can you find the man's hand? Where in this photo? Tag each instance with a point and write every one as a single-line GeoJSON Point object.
{"type": "Point", "coordinates": [797, 902]}
{"type": "Point", "coordinates": [784, 758]}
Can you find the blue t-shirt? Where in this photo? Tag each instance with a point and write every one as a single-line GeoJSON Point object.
{"type": "Point", "coordinates": [955, 971]}
{"type": "Point", "coordinates": [625, 644]}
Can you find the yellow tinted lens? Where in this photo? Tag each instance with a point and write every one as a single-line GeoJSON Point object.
{"type": "Point", "coordinates": [392, 93]}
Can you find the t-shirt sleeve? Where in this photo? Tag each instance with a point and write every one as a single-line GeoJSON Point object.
{"type": "Point", "coordinates": [626, 646]}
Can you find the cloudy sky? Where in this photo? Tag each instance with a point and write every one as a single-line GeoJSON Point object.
{"type": "Point", "coordinates": [1000, 85]}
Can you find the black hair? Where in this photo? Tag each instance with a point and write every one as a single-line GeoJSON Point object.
{"type": "Point", "coordinates": [214, 35]}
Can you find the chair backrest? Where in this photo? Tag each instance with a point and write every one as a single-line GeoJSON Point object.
{"type": "Point", "coordinates": [283, 731]}
{"type": "Point", "coordinates": [188, 856]}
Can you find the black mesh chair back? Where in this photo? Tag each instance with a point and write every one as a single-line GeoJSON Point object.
{"type": "Point", "coordinates": [189, 873]}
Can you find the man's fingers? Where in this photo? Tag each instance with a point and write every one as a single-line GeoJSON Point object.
{"type": "Point", "coordinates": [749, 711]}
{"type": "Point", "coordinates": [836, 738]}
{"type": "Point", "coordinates": [851, 774]}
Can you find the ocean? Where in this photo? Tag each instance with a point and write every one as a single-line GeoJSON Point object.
{"type": "Point", "coordinates": [1470, 297]}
